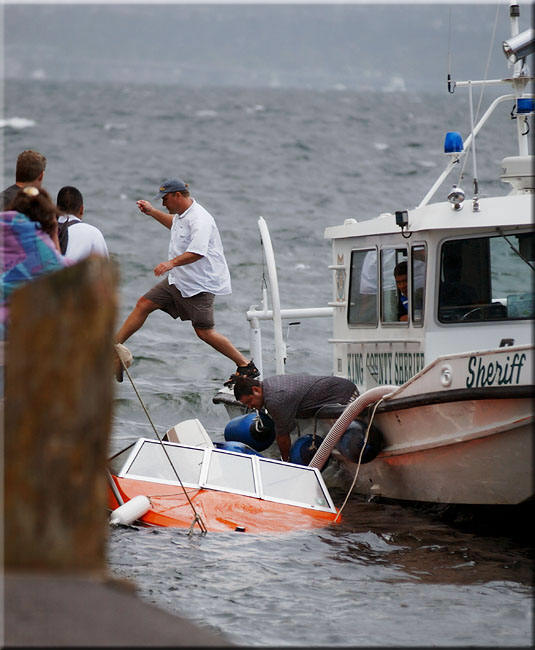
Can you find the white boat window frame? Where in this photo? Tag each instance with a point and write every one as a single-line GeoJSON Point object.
{"type": "Point", "coordinates": [412, 291]}
{"type": "Point", "coordinates": [369, 324]}
{"type": "Point", "coordinates": [207, 454]}
{"type": "Point", "coordinates": [397, 248]}
{"type": "Point", "coordinates": [461, 322]}
{"type": "Point", "coordinates": [125, 473]}
{"type": "Point", "coordinates": [205, 471]}
{"type": "Point", "coordinates": [319, 479]}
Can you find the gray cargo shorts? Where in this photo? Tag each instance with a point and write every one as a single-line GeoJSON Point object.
{"type": "Point", "coordinates": [199, 309]}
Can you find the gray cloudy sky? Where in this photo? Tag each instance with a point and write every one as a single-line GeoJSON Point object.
{"type": "Point", "coordinates": [358, 46]}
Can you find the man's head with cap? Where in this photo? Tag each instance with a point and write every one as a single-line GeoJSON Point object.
{"type": "Point", "coordinates": [175, 195]}
{"type": "Point", "coordinates": [172, 185]}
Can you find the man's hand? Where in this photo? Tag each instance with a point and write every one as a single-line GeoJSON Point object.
{"type": "Point", "coordinates": [181, 260]}
{"type": "Point", "coordinates": [144, 206]}
{"type": "Point", "coordinates": [163, 267]}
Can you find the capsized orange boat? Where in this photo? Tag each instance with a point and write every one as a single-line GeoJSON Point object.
{"type": "Point", "coordinates": [184, 480]}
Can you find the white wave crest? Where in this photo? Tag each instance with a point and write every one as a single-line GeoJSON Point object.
{"type": "Point", "coordinates": [16, 123]}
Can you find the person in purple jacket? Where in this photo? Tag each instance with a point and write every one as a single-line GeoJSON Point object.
{"type": "Point", "coordinates": [29, 243]}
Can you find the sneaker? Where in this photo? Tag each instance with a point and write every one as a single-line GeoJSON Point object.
{"type": "Point", "coordinates": [250, 370]}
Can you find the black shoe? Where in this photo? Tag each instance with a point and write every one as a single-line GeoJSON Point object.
{"type": "Point", "coordinates": [250, 370]}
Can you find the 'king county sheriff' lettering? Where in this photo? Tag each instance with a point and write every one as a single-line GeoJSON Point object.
{"type": "Point", "coordinates": [482, 372]}
{"type": "Point", "coordinates": [384, 367]}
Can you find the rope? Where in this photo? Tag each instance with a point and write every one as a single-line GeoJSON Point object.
{"type": "Point", "coordinates": [196, 518]}
{"type": "Point", "coordinates": [359, 460]}
{"type": "Point", "coordinates": [491, 45]}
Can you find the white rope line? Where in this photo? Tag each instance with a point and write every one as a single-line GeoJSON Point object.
{"type": "Point", "coordinates": [491, 42]}
{"type": "Point", "coordinates": [196, 517]}
{"type": "Point", "coordinates": [359, 460]}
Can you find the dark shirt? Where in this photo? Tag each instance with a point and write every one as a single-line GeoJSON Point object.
{"type": "Point", "coordinates": [8, 195]}
{"type": "Point", "coordinates": [287, 397]}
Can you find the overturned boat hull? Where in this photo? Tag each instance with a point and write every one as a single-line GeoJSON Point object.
{"type": "Point", "coordinates": [220, 511]}
{"type": "Point", "coordinates": [184, 485]}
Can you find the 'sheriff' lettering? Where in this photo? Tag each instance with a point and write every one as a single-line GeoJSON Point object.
{"type": "Point", "coordinates": [494, 373]}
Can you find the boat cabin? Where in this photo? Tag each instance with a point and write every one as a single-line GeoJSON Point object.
{"type": "Point", "coordinates": [216, 469]}
{"type": "Point", "coordinates": [450, 280]}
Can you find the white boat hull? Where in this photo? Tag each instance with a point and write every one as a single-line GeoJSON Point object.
{"type": "Point", "coordinates": [490, 461]}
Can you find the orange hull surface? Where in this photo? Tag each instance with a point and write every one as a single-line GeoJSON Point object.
{"type": "Point", "coordinates": [220, 511]}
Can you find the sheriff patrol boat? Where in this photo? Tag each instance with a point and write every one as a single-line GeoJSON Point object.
{"type": "Point", "coordinates": [433, 312]}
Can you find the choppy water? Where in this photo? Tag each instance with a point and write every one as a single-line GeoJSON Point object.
{"type": "Point", "coordinates": [389, 575]}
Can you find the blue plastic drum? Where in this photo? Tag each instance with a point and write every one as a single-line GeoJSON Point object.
{"type": "Point", "coordinates": [256, 430]}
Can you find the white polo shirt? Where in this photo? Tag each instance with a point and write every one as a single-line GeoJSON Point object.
{"type": "Point", "coordinates": [84, 240]}
{"type": "Point", "coordinates": [195, 231]}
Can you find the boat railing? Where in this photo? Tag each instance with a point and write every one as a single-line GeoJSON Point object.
{"type": "Point", "coordinates": [276, 314]}
{"type": "Point", "coordinates": [468, 142]}
{"type": "Point", "coordinates": [516, 55]}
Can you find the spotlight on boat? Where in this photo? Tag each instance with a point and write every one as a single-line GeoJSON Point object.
{"type": "Point", "coordinates": [456, 197]}
{"type": "Point", "coordinates": [402, 220]}
{"type": "Point", "coordinates": [520, 46]}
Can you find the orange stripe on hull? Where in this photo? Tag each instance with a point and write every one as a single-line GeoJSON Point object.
{"type": "Point", "coordinates": [220, 511]}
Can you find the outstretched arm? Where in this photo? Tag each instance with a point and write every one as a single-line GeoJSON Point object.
{"type": "Point", "coordinates": [164, 218]}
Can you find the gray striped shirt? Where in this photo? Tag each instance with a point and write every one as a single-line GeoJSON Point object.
{"type": "Point", "coordinates": [287, 397]}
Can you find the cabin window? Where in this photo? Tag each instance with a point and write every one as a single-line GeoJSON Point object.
{"type": "Point", "coordinates": [229, 471]}
{"type": "Point", "coordinates": [117, 461]}
{"type": "Point", "coordinates": [290, 484]}
{"type": "Point", "coordinates": [362, 308]}
{"type": "Point", "coordinates": [418, 269]}
{"type": "Point", "coordinates": [487, 279]}
{"type": "Point", "coordinates": [394, 292]}
{"type": "Point", "coordinates": [152, 461]}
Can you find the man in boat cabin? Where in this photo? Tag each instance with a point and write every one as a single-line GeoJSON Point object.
{"type": "Point", "coordinates": [197, 272]}
{"type": "Point", "coordinates": [288, 397]}
{"type": "Point", "coordinates": [400, 275]}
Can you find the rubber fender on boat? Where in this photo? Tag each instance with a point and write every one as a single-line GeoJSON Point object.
{"type": "Point", "coordinates": [304, 448]}
{"type": "Point", "coordinates": [256, 430]}
{"type": "Point", "coordinates": [130, 511]}
{"type": "Point", "coordinates": [350, 444]}
{"type": "Point", "coordinates": [351, 411]}
{"type": "Point", "coordinates": [232, 445]}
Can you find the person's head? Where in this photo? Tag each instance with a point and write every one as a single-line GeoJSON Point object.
{"type": "Point", "coordinates": [175, 195]}
{"type": "Point", "coordinates": [249, 391]}
{"type": "Point", "coordinates": [36, 204]}
{"type": "Point", "coordinates": [400, 275]}
{"type": "Point", "coordinates": [70, 201]}
{"type": "Point", "coordinates": [30, 167]}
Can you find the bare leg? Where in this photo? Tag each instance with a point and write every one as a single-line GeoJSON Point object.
{"type": "Point", "coordinates": [220, 343]}
{"type": "Point", "coordinates": [135, 319]}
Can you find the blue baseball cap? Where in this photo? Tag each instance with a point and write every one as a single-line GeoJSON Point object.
{"type": "Point", "coordinates": [171, 185]}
